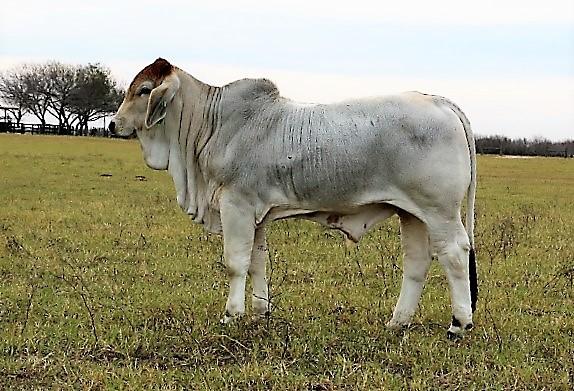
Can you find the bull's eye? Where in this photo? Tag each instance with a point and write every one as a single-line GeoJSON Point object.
{"type": "Point", "coordinates": [144, 91]}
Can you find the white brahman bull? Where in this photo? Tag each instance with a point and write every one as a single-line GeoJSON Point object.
{"type": "Point", "coordinates": [242, 156]}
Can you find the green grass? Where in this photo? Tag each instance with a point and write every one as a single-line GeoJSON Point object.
{"type": "Point", "coordinates": [106, 284]}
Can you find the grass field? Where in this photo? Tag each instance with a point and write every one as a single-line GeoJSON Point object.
{"type": "Point", "coordinates": [106, 284]}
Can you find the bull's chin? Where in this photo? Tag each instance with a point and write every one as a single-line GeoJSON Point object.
{"type": "Point", "coordinates": [157, 165]}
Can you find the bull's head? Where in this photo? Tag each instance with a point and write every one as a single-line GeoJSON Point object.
{"type": "Point", "coordinates": [144, 108]}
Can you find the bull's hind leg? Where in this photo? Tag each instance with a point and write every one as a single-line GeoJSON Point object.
{"type": "Point", "coordinates": [416, 262]}
{"type": "Point", "coordinates": [451, 244]}
{"type": "Point", "coordinates": [259, 254]}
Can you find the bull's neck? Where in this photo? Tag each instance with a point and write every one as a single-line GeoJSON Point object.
{"type": "Point", "coordinates": [194, 119]}
{"type": "Point", "coordinates": [199, 113]}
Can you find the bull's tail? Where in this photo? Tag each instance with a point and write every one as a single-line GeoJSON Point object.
{"type": "Point", "coordinates": [469, 200]}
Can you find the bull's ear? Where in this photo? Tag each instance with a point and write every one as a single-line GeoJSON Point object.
{"type": "Point", "coordinates": [159, 98]}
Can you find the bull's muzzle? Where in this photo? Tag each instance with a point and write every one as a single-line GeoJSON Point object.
{"type": "Point", "coordinates": [119, 131]}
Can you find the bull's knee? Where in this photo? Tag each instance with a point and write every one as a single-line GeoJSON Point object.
{"type": "Point", "coordinates": [236, 267]}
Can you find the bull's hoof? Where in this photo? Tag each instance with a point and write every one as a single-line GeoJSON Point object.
{"type": "Point", "coordinates": [261, 316]}
{"type": "Point", "coordinates": [228, 318]}
{"type": "Point", "coordinates": [261, 307]}
{"type": "Point", "coordinates": [456, 330]}
{"type": "Point", "coordinates": [394, 325]}
{"type": "Point", "coordinates": [453, 336]}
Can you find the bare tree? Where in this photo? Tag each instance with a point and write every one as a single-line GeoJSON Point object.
{"type": "Point", "coordinates": [36, 97]}
{"type": "Point", "coordinates": [12, 92]}
{"type": "Point", "coordinates": [61, 84]}
{"type": "Point", "coordinates": [75, 95]}
{"type": "Point", "coordinates": [94, 96]}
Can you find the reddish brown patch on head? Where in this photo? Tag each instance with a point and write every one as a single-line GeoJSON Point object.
{"type": "Point", "coordinates": [155, 72]}
{"type": "Point", "coordinates": [333, 219]}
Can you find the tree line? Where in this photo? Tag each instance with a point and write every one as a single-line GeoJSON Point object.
{"type": "Point", "coordinates": [501, 145]}
{"type": "Point", "coordinates": [73, 94]}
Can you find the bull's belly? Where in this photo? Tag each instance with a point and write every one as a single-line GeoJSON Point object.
{"type": "Point", "coordinates": [352, 206]}
{"type": "Point", "coordinates": [352, 222]}
{"type": "Point", "coordinates": [354, 202]}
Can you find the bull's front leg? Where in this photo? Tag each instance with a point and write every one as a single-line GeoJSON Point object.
{"type": "Point", "coordinates": [257, 272]}
{"type": "Point", "coordinates": [238, 224]}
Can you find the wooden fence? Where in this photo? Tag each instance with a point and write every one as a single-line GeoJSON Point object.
{"type": "Point", "coordinates": [12, 127]}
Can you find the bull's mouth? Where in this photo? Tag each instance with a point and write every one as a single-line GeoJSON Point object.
{"type": "Point", "coordinates": [130, 134]}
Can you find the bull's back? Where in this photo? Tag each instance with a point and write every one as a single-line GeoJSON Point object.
{"type": "Point", "coordinates": [350, 152]}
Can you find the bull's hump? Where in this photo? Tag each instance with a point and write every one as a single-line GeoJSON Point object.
{"type": "Point", "coordinates": [254, 89]}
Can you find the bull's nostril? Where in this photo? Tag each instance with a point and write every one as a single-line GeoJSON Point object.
{"type": "Point", "coordinates": [112, 126]}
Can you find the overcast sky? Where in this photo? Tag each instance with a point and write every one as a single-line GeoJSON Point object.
{"type": "Point", "coordinates": [508, 64]}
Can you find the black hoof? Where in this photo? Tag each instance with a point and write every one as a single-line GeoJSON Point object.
{"type": "Point", "coordinates": [263, 315]}
{"type": "Point", "coordinates": [452, 336]}
{"type": "Point", "coordinates": [455, 322]}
